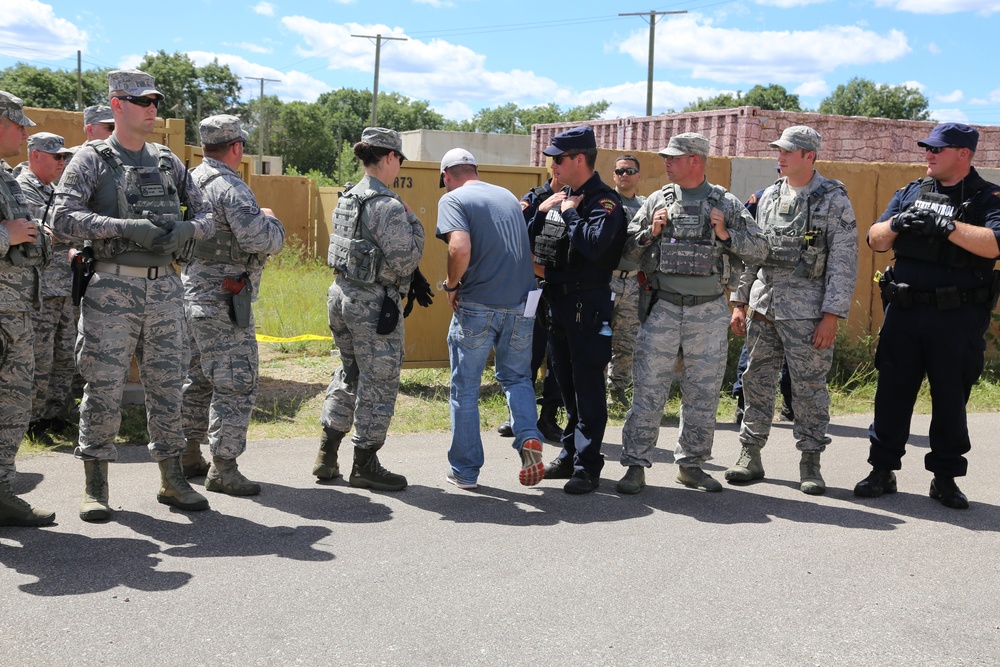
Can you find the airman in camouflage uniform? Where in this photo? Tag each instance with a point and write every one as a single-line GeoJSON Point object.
{"type": "Point", "coordinates": [125, 197]}
{"type": "Point", "coordinates": [688, 238]}
{"type": "Point", "coordinates": [24, 251]}
{"type": "Point", "coordinates": [625, 286]}
{"type": "Point", "coordinates": [376, 245]}
{"type": "Point", "coordinates": [55, 323]}
{"type": "Point", "coordinates": [796, 297]}
{"type": "Point", "coordinates": [221, 388]}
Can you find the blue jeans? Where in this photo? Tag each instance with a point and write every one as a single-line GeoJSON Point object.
{"type": "Point", "coordinates": [476, 330]}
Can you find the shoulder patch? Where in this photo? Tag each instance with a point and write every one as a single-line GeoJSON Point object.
{"type": "Point", "coordinates": [250, 210]}
{"type": "Point", "coordinates": [70, 178]}
{"type": "Point", "coordinates": [524, 204]}
{"type": "Point", "coordinates": [608, 204]}
{"type": "Point", "coordinates": [752, 200]}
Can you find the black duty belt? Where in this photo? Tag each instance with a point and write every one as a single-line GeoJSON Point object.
{"type": "Point", "coordinates": [562, 289]}
{"type": "Point", "coordinates": [942, 298]}
{"type": "Point", "coordinates": [685, 299]}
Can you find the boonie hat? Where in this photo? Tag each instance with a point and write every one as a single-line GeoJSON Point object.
{"type": "Point", "coordinates": [221, 129]}
{"type": "Point", "coordinates": [798, 137]}
{"type": "Point", "coordinates": [12, 107]}
{"type": "Point", "coordinates": [688, 143]}
{"type": "Point", "coordinates": [97, 114]}
{"type": "Point", "coordinates": [577, 139]}
{"type": "Point", "coordinates": [959, 135]}
{"type": "Point", "coordinates": [132, 82]}
{"type": "Point", "coordinates": [48, 143]}
{"type": "Point", "coordinates": [455, 157]}
{"type": "Point", "coordinates": [383, 137]}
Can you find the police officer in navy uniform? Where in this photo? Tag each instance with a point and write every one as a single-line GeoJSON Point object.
{"type": "Point", "coordinates": [579, 241]}
{"type": "Point", "coordinates": [944, 230]}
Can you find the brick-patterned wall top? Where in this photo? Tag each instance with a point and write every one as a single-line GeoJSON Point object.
{"type": "Point", "coordinates": [747, 131]}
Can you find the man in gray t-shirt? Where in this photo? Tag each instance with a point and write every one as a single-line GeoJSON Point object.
{"type": "Point", "coordinates": [489, 277]}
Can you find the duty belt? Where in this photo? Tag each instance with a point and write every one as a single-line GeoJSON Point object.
{"type": "Point", "coordinates": [625, 274]}
{"type": "Point", "coordinates": [562, 289]}
{"type": "Point", "coordinates": [148, 272]}
{"type": "Point", "coordinates": [685, 299]}
{"type": "Point", "coordinates": [943, 298]}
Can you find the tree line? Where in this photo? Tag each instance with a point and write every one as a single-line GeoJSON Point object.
{"type": "Point", "coordinates": [315, 138]}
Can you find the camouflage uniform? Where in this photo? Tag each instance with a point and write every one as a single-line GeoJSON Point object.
{"type": "Point", "coordinates": [55, 323]}
{"type": "Point", "coordinates": [222, 380]}
{"type": "Point", "coordinates": [788, 307]}
{"type": "Point", "coordinates": [625, 321]}
{"type": "Point", "coordinates": [363, 391]}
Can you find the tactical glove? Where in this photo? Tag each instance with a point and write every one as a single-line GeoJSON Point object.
{"type": "Point", "coordinates": [142, 231]}
{"type": "Point", "coordinates": [180, 232]}
{"type": "Point", "coordinates": [915, 221]}
{"type": "Point", "coordinates": [420, 290]}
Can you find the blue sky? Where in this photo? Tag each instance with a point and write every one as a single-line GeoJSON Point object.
{"type": "Point", "coordinates": [463, 55]}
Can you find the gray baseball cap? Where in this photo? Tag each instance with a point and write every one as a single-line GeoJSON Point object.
{"type": "Point", "coordinates": [132, 82]}
{"type": "Point", "coordinates": [12, 107]}
{"type": "Point", "coordinates": [221, 129]}
{"type": "Point", "coordinates": [383, 137]}
{"type": "Point", "coordinates": [48, 143]}
{"type": "Point", "coordinates": [97, 114]}
{"type": "Point", "coordinates": [798, 137]}
{"type": "Point", "coordinates": [688, 143]}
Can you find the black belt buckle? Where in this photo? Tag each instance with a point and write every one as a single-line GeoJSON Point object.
{"type": "Point", "coordinates": [948, 298]}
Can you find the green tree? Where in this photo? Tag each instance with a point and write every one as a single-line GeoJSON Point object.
{"type": "Point", "coordinates": [302, 135]}
{"type": "Point", "coordinates": [191, 92]}
{"type": "Point", "coordinates": [772, 97]}
{"type": "Point", "coordinates": [512, 119]}
{"type": "Point", "coordinates": [863, 97]}
{"type": "Point", "coordinates": [54, 89]}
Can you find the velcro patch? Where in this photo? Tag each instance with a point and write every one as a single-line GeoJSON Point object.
{"type": "Point", "coordinates": [608, 204]}
{"type": "Point", "coordinates": [250, 210]}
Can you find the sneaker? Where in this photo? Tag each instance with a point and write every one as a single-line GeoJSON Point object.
{"type": "Point", "coordinates": [505, 430]}
{"type": "Point", "coordinates": [581, 483]}
{"type": "Point", "coordinates": [532, 468]}
{"type": "Point", "coordinates": [468, 486]}
{"type": "Point", "coordinates": [696, 478]}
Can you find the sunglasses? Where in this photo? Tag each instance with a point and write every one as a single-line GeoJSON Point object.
{"type": "Point", "coordinates": [140, 101]}
{"type": "Point", "coordinates": [61, 157]}
{"type": "Point", "coordinates": [631, 171]}
{"type": "Point", "coordinates": [400, 156]}
{"type": "Point", "coordinates": [559, 158]}
{"type": "Point", "coordinates": [934, 150]}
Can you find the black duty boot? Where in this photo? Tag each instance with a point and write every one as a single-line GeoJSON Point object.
{"type": "Point", "coordinates": [878, 481]}
{"type": "Point", "coordinates": [368, 473]}
{"type": "Point", "coordinates": [326, 466]}
{"type": "Point", "coordinates": [505, 429]}
{"type": "Point", "coordinates": [547, 424]}
{"type": "Point", "coordinates": [947, 492]}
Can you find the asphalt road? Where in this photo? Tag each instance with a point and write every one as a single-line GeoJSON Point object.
{"type": "Point", "coordinates": [313, 573]}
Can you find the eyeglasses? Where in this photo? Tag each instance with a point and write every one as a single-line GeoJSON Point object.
{"type": "Point", "coordinates": [140, 101]}
{"type": "Point", "coordinates": [631, 171]}
{"type": "Point", "coordinates": [559, 158]}
{"type": "Point", "coordinates": [62, 157]}
{"type": "Point", "coordinates": [400, 156]}
{"type": "Point", "coordinates": [934, 150]}
{"type": "Point", "coordinates": [110, 127]}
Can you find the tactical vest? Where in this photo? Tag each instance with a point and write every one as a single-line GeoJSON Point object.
{"type": "Point", "coordinates": [224, 246]}
{"type": "Point", "coordinates": [937, 249]}
{"type": "Point", "coordinates": [14, 206]}
{"type": "Point", "coordinates": [688, 245]}
{"type": "Point", "coordinates": [141, 190]}
{"type": "Point", "coordinates": [553, 249]}
{"type": "Point", "coordinates": [353, 253]}
{"type": "Point", "coordinates": [792, 241]}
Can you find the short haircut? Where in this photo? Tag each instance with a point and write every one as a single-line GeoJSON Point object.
{"type": "Point", "coordinates": [217, 150]}
{"type": "Point", "coordinates": [590, 155]}
{"type": "Point", "coordinates": [629, 158]}
{"type": "Point", "coordinates": [463, 170]}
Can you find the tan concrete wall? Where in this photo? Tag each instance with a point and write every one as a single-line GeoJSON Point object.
{"type": "Point", "coordinates": [489, 148]}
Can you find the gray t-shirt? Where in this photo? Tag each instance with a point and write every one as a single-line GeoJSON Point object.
{"type": "Point", "coordinates": [500, 271]}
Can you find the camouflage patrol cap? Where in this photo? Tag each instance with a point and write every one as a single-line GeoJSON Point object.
{"type": "Point", "coordinates": [221, 129]}
{"type": "Point", "coordinates": [798, 137]}
{"type": "Point", "coordinates": [48, 143]}
{"type": "Point", "coordinates": [688, 143]}
{"type": "Point", "coordinates": [12, 107]}
{"type": "Point", "coordinates": [97, 114]}
{"type": "Point", "coordinates": [132, 82]}
{"type": "Point", "coordinates": [383, 137]}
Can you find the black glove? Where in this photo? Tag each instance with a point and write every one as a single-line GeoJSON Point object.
{"type": "Point", "coordinates": [915, 221]}
{"type": "Point", "coordinates": [420, 290]}
{"type": "Point", "coordinates": [178, 233]}
{"type": "Point", "coordinates": [142, 231]}
{"type": "Point", "coordinates": [943, 226]}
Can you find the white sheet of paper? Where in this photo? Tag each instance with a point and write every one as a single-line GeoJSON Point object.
{"type": "Point", "coordinates": [531, 305]}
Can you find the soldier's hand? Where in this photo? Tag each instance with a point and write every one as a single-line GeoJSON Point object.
{"type": "Point", "coordinates": [420, 291]}
{"type": "Point", "coordinates": [659, 222]}
{"type": "Point", "coordinates": [180, 232]}
{"type": "Point", "coordinates": [718, 220]}
{"type": "Point", "coordinates": [571, 202]}
{"type": "Point", "coordinates": [20, 230]}
{"type": "Point", "coordinates": [738, 320]}
{"type": "Point", "coordinates": [554, 200]}
{"type": "Point", "coordinates": [266, 211]}
{"type": "Point", "coordinates": [142, 231]}
{"type": "Point", "coordinates": [915, 221]}
{"type": "Point", "coordinates": [826, 331]}
{"type": "Point", "coordinates": [943, 226]}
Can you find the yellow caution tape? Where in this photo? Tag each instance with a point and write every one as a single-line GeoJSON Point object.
{"type": "Point", "coordinates": [261, 338]}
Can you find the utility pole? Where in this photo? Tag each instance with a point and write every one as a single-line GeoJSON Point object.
{"type": "Point", "coordinates": [79, 82]}
{"type": "Point", "coordinates": [652, 34]}
{"type": "Point", "coordinates": [260, 120]}
{"type": "Point", "coordinates": [378, 51]}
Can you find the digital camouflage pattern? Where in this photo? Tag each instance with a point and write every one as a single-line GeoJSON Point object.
{"type": "Point", "coordinates": [625, 321]}
{"type": "Point", "coordinates": [132, 82]}
{"type": "Point", "coordinates": [221, 129]}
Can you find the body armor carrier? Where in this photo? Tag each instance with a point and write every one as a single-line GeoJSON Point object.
{"type": "Point", "coordinates": [224, 246]}
{"type": "Point", "coordinates": [792, 241]}
{"type": "Point", "coordinates": [352, 252]}
{"type": "Point", "coordinates": [141, 191]}
{"type": "Point", "coordinates": [936, 249]}
{"type": "Point", "coordinates": [688, 245]}
{"type": "Point", "coordinates": [553, 249]}
{"type": "Point", "coordinates": [14, 206]}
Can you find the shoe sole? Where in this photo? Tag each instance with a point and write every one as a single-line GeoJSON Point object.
{"type": "Point", "coordinates": [29, 523]}
{"type": "Point", "coordinates": [812, 489]}
{"type": "Point", "coordinates": [324, 472]}
{"type": "Point", "coordinates": [580, 490]}
{"type": "Point", "coordinates": [739, 477]}
{"type": "Point", "coordinates": [219, 488]}
{"type": "Point", "coordinates": [629, 490]}
{"type": "Point", "coordinates": [462, 485]}
{"type": "Point", "coordinates": [936, 495]}
{"type": "Point", "coordinates": [700, 487]}
{"type": "Point", "coordinates": [532, 468]}
{"type": "Point", "coordinates": [363, 484]}
{"type": "Point", "coordinates": [198, 506]}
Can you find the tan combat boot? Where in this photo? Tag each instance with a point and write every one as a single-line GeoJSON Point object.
{"type": "Point", "coordinates": [812, 480]}
{"type": "Point", "coordinates": [225, 477]}
{"type": "Point", "coordinates": [192, 462]}
{"type": "Point", "coordinates": [748, 467]}
{"type": "Point", "coordinates": [15, 511]}
{"type": "Point", "coordinates": [326, 466]}
{"type": "Point", "coordinates": [95, 491]}
{"type": "Point", "coordinates": [174, 488]}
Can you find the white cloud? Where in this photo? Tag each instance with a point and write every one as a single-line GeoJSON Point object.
{"type": "Point", "coordinates": [815, 88]}
{"type": "Point", "coordinates": [949, 116]}
{"type": "Point", "coordinates": [691, 43]}
{"type": "Point", "coordinates": [454, 110]}
{"type": "Point", "coordinates": [934, 49]}
{"type": "Point", "coordinates": [916, 85]}
{"type": "Point", "coordinates": [993, 97]}
{"type": "Point", "coordinates": [30, 29]}
{"type": "Point", "coordinates": [264, 9]}
{"type": "Point", "coordinates": [950, 98]}
{"type": "Point", "coordinates": [984, 7]}
{"type": "Point", "coordinates": [289, 86]}
{"type": "Point", "coordinates": [629, 99]}
{"type": "Point", "coordinates": [254, 48]}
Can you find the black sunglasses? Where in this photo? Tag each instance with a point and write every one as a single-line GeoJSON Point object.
{"type": "Point", "coordinates": [937, 149]}
{"type": "Point", "coordinates": [62, 157]}
{"type": "Point", "coordinates": [631, 171]}
{"type": "Point", "coordinates": [559, 158]}
{"type": "Point", "coordinates": [400, 156]}
{"type": "Point", "coordinates": [140, 101]}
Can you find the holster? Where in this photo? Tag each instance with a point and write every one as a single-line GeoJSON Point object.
{"type": "Point", "coordinates": [82, 263]}
{"type": "Point", "coordinates": [647, 296]}
{"type": "Point", "coordinates": [388, 317]}
{"type": "Point", "coordinates": [240, 299]}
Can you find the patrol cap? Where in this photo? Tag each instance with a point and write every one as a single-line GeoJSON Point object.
{"type": "Point", "coordinates": [688, 143]}
{"type": "Point", "coordinates": [221, 129]}
{"type": "Point", "coordinates": [97, 114]}
{"type": "Point", "coordinates": [577, 139]}
{"type": "Point", "coordinates": [798, 137]}
{"type": "Point", "coordinates": [48, 143]}
{"type": "Point", "coordinates": [12, 107]}
{"type": "Point", "coordinates": [959, 135]}
{"type": "Point", "coordinates": [132, 82]}
{"type": "Point", "coordinates": [455, 157]}
{"type": "Point", "coordinates": [383, 137]}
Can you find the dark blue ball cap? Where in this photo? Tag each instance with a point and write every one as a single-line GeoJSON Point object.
{"type": "Point", "coordinates": [577, 139]}
{"type": "Point", "coordinates": [952, 134]}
